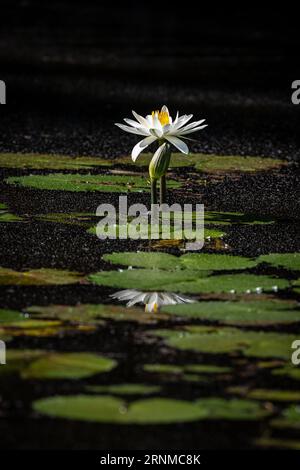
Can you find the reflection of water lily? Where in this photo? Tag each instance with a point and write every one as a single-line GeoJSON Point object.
{"type": "Point", "coordinates": [160, 126]}
{"type": "Point", "coordinates": [152, 300]}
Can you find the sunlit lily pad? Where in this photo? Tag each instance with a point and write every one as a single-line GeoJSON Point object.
{"type": "Point", "coordinates": [267, 394]}
{"type": "Point", "coordinates": [108, 409]}
{"type": "Point", "coordinates": [215, 262]}
{"type": "Point", "coordinates": [79, 182]}
{"type": "Point", "coordinates": [265, 312]}
{"type": "Point", "coordinates": [68, 366]}
{"type": "Point", "coordinates": [8, 316]}
{"type": "Point", "coordinates": [296, 286]}
{"type": "Point", "coordinates": [194, 261]}
{"type": "Point", "coordinates": [217, 163]}
{"type": "Point", "coordinates": [144, 279]}
{"type": "Point", "coordinates": [290, 418]}
{"type": "Point", "coordinates": [186, 281]}
{"type": "Point", "coordinates": [229, 340]}
{"type": "Point", "coordinates": [39, 161]}
{"type": "Point", "coordinates": [290, 371]}
{"type": "Point", "coordinates": [282, 260]}
{"type": "Point", "coordinates": [234, 218]}
{"type": "Point", "coordinates": [125, 389]}
{"type": "Point", "coordinates": [95, 313]}
{"type": "Point", "coordinates": [37, 277]}
{"type": "Point", "coordinates": [276, 443]}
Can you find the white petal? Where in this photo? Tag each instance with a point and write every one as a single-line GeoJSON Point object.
{"type": "Point", "coordinates": [138, 298]}
{"type": "Point", "coordinates": [156, 132]}
{"type": "Point", "coordinates": [179, 144]}
{"type": "Point", "coordinates": [133, 123]}
{"type": "Point", "coordinates": [182, 121]}
{"type": "Point", "coordinates": [131, 130]}
{"type": "Point", "coordinates": [165, 109]}
{"type": "Point", "coordinates": [191, 125]}
{"type": "Point", "coordinates": [194, 129]}
{"type": "Point", "coordinates": [140, 119]}
{"type": "Point", "coordinates": [140, 146]}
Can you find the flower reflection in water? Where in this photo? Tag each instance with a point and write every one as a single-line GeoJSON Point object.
{"type": "Point", "coordinates": [152, 300]}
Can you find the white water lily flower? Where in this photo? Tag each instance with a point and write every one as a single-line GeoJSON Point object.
{"type": "Point", "coordinates": [152, 300]}
{"type": "Point", "coordinates": [160, 126]}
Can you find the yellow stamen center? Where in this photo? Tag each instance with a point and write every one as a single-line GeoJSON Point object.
{"type": "Point", "coordinates": [163, 117]}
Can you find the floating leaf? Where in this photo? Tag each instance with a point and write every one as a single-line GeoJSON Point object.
{"type": "Point", "coordinates": [144, 260]}
{"type": "Point", "coordinates": [233, 218]}
{"type": "Point", "coordinates": [17, 359]}
{"type": "Point", "coordinates": [79, 182]}
{"type": "Point", "coordinates": [163, 368]}
{"type": "Point", "coordinates": [68, 366]}
{"type": "Point", "coordinates": [282, 260]}
{"type": "Point", "coordinates": [186, 281]}
{"type": "Point", "coordinates": [72, 218]}
{"type": "Point", "coordinates": [290, 371]}
{"type": "Point", "coordinates": [108, 409]}
{"type": "Point", "coordinates": [37, 277]}
{"type": "Point", "coordinates": [290, 418]}
{"type": "Point", "coordinates": [144, 279]}
{"type": "Point", "coordinates": [272, 443]}
{"type": "Point", "coordinates": [215, 163]}
{"type": "Point", "coordinates": [296, 286]}
{"type": "Point", "coordinates": [267, 312]}
{"type": "Point", "coordinates": [95, 313]}
{"type": "Point", "coordinates": [38, 161]}
{"type": "Point", "coordinates": [8, 316]}
{"type": "Point", "coordinates": [215, 262]}
{"type": "Point", "coordinates": [274, 395]}
{"type": "Point", "coordinates": [229, 340]}
{"type": "Point", "coordinates": [125, 389]}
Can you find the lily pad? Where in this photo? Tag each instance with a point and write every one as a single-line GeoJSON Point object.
{"type": "Point", "coordinates": [8, 316]}
{"type": "Point", "coordinates": [72, 218]}
{"type": "Point", "coordinates": [38, 277]}
{"type": "Point", "coordinates": [229, 340]}
{"type": "Point", "coordinates": [235, 218]}
{"type": "Point", "coordinates": [68, 366]}
{"type": "Point", "coordinates": [282, 260]}
{"type": "Point", "coordinates": [94, 313]}
{"type": "Point", "coordinates": [79, 182]}
{"type": "Point", "coordinates": [296, 286]}
{"type": "Point", "coordinates": [272, 443]}
{"type": "Point", "coordinates": [290, 371]}
{"type": "Point", "coordinates": [144, 279]}
{"type": "Point", "coordinates": [265, 312]}
{"type": "Point", "coordinates": [194, 261]}
{"type": "Point", "coordinates": [108, 409]}
{"type": "Point", "coordinates": [216, 163]}
{"type": "Point", "coordinates": [125, 389]}
{"type": "Point", "coordinates": [290, 418]}
{"type": "Point", "coordinates": [18, 359]}
{"type": "Point", "coordinates": [38, 161]}
{"type": "Point", "coordinates": [186, 281]}
{"type": "Point", "coordinates": [215, 262]}
{"type": "Point", "coordinates": [274, 395]}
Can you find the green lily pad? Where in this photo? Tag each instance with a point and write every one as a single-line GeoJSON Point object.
{"type": "Point", "coordinates": [215, 262]}
{"type": "Point", "coordinates": [189, 368]}
{"type": "Point", "coordinates": [229, 340]}
{"type": "Point", "coordinates": [94, 313]}
{"type": "Point", "coordinates": [272, 443]}
{"type": "Point", "coordinates": [194, 261]}
{"type": "Point", "coordinates": [72, 218]}
{"type": "Point", "coordinates": [17, 359]}
{"type": "Point", "coordinates": [186, 281]}
{"type": "Point", "coordinates": [234, 218]}
{"type": "Point", "coordinates": [274, 395]}
{"type": "Point", "coordinates": [296, 286]}
{"type": "Point", "coordinates": [163, 368]}
{"type": "Point", "coordinates": [79, 182]}
{"type": "Point", "coordinates": [290, 418]}
{"type": "Point", "coordinates": [108, 409]}
{"type": "Point", "coordinates": [232, 283]}
{"type": "Point", "coordinates": [144, 279]}
{"type": "Point", "coordinates": [290, 371]}
{"type": "Point", "coordinates": [37, 277]}
{"type": "Point", "coordinates": [8, 316]}
{"type": "Point", "coordinates": [215, 163]}
{"type": "Point", "coordinates": [125, 389]}
{"type": "Point", "coordinates": [267, 312]}
{"type": "Point", "coordinates": [38, 161]}
{"type": "Point", "coordinates": [68, 366]}
{"type": "Point", "coordinates": [282, 260]}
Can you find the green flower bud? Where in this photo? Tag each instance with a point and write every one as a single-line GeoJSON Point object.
{"type": "Point", "coordinates": [160, 162]}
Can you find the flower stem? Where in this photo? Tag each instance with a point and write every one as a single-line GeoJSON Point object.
{"type": "Point", "coordinates": [153, 191]}
{"type": "Point", "coordinates": [163, 190]}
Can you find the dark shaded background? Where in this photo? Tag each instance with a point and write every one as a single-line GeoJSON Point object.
{"type": "Point", "coordinates": [73, 68]}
